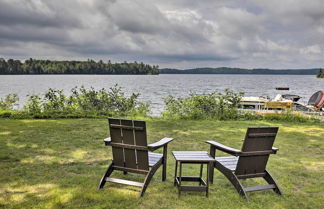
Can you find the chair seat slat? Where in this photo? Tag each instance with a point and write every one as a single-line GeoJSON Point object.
{"type": "Point", "coordinates": [122, 181]}
{"type": "Point", "coordinates": [259, 188]}
{"type": "Point", "coordinates": [154, 158]}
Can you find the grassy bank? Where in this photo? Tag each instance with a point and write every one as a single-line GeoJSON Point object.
{"type": "Point", "coordinates": [58, 164]}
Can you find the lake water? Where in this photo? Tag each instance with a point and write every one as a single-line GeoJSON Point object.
{"type": "Point", "coordinates": [154, 88]}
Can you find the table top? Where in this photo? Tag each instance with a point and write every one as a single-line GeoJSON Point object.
{"type": "Point", "coordinates": [192, 156]}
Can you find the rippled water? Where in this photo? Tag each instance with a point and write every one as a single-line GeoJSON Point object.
{"type": "Point", "coordinates": [154, 88]}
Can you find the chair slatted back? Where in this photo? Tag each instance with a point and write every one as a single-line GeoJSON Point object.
{"type": "Point", "coordinates": [256, 149]}
{"type": "Point", "coordinates": [129, 143]}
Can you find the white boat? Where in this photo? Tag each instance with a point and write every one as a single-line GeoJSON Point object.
{"type": "Point", "coordinates": [283, 102]}
{"type": "Point", "coordinates": [256, 103]}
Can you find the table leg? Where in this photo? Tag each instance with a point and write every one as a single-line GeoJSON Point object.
{"type": "Point", "coordinates": [175, 174]}
{"type": "Point", "coordinates": [180, 176]}
{"type": "Point", "coordinates": [207, 180]}
{"type": "Point", "coordinates": [201, 171]}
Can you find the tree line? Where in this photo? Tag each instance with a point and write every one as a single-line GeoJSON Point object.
{"type": "Point", "coordinates": [34, 66]}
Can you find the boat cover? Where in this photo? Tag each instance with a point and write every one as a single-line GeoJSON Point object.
{"type": "Point", "coordinates": [315, 98]}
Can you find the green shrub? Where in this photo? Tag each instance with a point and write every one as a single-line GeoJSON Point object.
{"type": "Point", "coordinates": [5, 113]}
{"type": "Point", "coordinates": [14, 114]}
{"type": "Point", "coordinates": [82, 102]}
{"type": "Point", "coordinates": [112, 102]}
{"type": "Point", "coordinates": [20, 115]}
{"type": "Point", "coordinates": [9, 102]}
{"type": "Point", "coordinates": [34, 104]}
{"type": "Point", "coordinates": [54, 100]}
{"type": "Point", "coordinates": [208, 106]}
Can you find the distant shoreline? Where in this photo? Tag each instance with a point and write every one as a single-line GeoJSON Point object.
{"type": "Point", "coordinates": [91, 67]}
{"type": "Point", "coordinates": [241, 71]}
{"type": "Point", "coordinates": [166, 74]}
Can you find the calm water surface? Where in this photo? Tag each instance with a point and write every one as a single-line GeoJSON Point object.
{"type": "Point", "coordinates": [154, 88]}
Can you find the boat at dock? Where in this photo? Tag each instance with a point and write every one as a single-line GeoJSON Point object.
{"type": "Point", "coordinates": [284, 102]}
{"type": "Point", "coordinates": [317, 100]}
{"type": "Point", "coordinates": [282, 88]}
{"type": "Point", "coordinates": [256, 103]}
{"type": "Point", "coordinates": [265, 103]}
{"type": "Point", "coordinates": [294, 98]}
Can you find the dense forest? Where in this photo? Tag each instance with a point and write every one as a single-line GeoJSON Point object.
{"type": "Point", "coordinates": [226, 70]}
{"type": "Point", "coordinates": [33, 66]}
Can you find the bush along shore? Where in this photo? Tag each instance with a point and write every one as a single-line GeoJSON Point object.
{"type": "Point", "coordinates": [320, 74]}
{"type": "Point", "coordinates": [82, 103]}
{"type": "Point", "coordinates": [92, 103]}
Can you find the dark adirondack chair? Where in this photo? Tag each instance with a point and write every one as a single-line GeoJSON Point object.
{"type": "Point", "coordinates": [250, 162]}
{"type": "Point", "coordinates": [131, 152]}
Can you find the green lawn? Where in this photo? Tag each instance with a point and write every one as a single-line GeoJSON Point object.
{"type": "Point", "coordinates": [58, 164]}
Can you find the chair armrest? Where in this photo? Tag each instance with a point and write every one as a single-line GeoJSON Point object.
{"type": "Point", "coordinates": [107, 141]}
{"type": "Point", "coordinates": [275, 150]}
{"type": "Point", "coordinates": [159, 144]}
{"type": "Point", "coordinates": [224, 148]}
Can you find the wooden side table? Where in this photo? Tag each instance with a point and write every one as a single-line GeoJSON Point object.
{"type": "Point", "coordinates": [192, 157]}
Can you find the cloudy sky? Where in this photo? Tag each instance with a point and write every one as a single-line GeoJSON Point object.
{"type": "Point", "coordinates": [170, 33]}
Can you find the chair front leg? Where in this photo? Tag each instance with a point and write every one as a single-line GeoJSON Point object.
{"type": "Point", "coordinates": [212, 164]}
{"type": "Point", "coordinates": [149, 177]}
{"type": "Point", "coordinates": [108, 172]}
{"type": "Point", "coordinates": [271, 180]}
{"type": "Point", "coordinates": [165, 157]}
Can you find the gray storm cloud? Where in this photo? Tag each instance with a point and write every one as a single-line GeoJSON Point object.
{"type": "Point", "coordinates": [177, 33]}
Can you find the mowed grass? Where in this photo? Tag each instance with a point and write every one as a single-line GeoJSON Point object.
{"type": "Point", "coordinates": [58, 164]}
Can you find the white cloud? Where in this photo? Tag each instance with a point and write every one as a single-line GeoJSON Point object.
{"type": "Point", "coordinates": [182, 33]}
{"type": "Point", "coordinates": [314, 49]}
